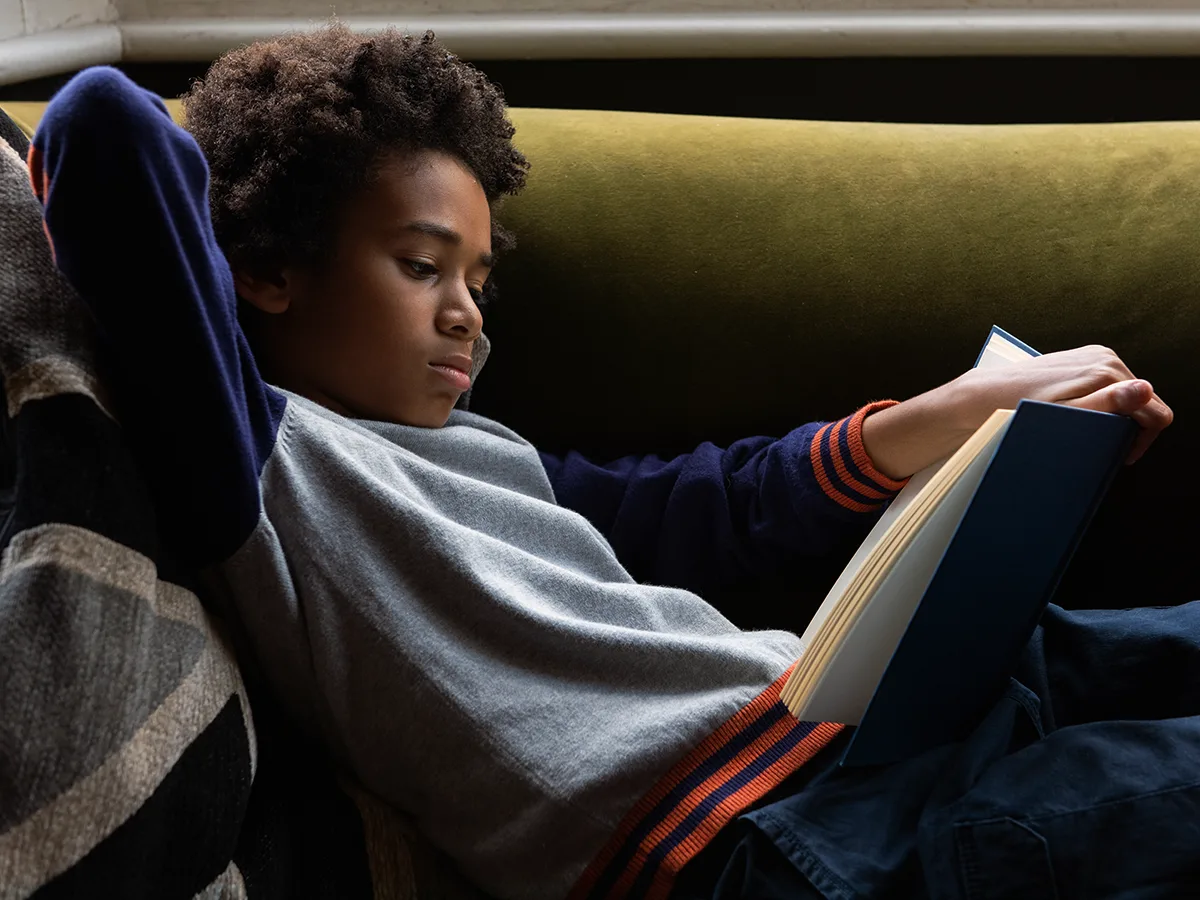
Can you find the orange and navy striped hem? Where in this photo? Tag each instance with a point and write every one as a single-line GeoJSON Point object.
{"type": "Point", "coordinates": [842, 467]}
{"type": "Point", "coordinates": [734, 767]}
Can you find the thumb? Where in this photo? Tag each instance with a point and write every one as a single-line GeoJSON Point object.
{"type": "Point", "coordinates": [1122, 397]}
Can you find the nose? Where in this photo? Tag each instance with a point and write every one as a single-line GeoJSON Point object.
{"type": "Point", "coordinates": [458, 314]}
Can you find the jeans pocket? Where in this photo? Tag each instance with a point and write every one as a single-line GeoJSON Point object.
{"type": "Point", "coordinates": [1004, 858]}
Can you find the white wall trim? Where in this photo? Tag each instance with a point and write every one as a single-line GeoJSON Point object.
{"type": "Point", "coordinates": [634, 35]}
{"type": "Point", "coordinates": [61, 50]}
{"type": "Point", "coordinates": [615, 36]}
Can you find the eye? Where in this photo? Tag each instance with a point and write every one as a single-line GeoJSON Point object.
{"type": "Point", "coordinates": [477, 296]}
{"type": "Point", "coordinates": [420, 269]}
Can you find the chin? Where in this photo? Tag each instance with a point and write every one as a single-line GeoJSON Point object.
{"type": "Point", "coordinates": [427, 418]}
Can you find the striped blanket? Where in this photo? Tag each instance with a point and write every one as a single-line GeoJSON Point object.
{"type": "Point", "coordinates": [130, 763]}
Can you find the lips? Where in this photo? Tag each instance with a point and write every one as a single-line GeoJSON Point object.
{"type": "Point", "coordinates": [455, 369]}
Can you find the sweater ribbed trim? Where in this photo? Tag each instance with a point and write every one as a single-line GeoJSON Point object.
{"type": "Point", "coordinates": [735, 766]}
{"type": "Point", "coordinates": [844, 470]}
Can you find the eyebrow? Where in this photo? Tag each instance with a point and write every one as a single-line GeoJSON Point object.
{"type": "Point", "coordinates": [433, 229]}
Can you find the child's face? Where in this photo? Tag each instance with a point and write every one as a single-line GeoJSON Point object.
{"type": "Point", "coordinates": [385, 330]}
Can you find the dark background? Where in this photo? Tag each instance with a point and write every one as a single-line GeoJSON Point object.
{"type": "Point", "coordinates": [949, 89]}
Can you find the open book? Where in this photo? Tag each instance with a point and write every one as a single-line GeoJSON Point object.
{"type": "Point", "coordinates": [919, 633]}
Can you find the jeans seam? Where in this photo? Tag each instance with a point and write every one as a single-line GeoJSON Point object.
{"type": "Point", "coordinates": [796, 848]}
{"type": "Point", "coordinates": [968, 863]}
{"type": "Point", "coordinates": [1032, 710]}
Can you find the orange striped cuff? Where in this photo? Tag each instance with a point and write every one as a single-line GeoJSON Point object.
{"type": "Point", "coordinates": [734, 767]}
{"type": "Point", "coordinates": [844, 470]}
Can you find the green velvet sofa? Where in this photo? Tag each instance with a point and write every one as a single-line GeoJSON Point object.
{"type": "Point", "coordinates": [680, 279]}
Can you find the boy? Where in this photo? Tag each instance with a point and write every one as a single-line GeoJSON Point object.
{"type": "Point", "coordinates": [412, 579]}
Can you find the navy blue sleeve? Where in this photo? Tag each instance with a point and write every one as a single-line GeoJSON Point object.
{"type": "Point", "coordinates": [717, 518]}
{"type": "Point", "coordinates": [125, 198]}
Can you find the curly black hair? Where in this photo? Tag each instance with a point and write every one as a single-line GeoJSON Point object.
{"type": "Point", "coordinates": [292, 127]}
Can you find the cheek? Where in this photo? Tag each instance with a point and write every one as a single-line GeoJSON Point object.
{"type": "Point", "coordinates": [382, 310]}
{"type": "Point", "coordinates": [344, 297]}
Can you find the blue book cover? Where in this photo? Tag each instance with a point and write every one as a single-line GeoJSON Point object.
{"type": "Point", "coordinates": [1045, 480]}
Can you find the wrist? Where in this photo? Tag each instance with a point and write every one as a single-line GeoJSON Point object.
{"type": "Point", "coordinates": [961, 405]}
{"type": "Point", "coordinates": [905, 438]}
{"type": "Point", "coordinates": [879, 440]}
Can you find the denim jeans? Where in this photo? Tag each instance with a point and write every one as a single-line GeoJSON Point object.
{"type": "Point", "coordinates": [1082, 781]}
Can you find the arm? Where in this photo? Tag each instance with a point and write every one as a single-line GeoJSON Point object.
{"type": "Point", "coordinates": [714, 519]}
{"type": "Point", "coordinates": [125, 197]}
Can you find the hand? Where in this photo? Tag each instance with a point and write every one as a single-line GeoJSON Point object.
{"type": "Point", "coordinates": [907, 437]}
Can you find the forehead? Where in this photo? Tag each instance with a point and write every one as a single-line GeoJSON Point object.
{"type": "Point", "coordinates": [427, 186]}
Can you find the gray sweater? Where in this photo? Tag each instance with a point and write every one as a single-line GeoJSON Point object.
{"type": "Point", "coordinates": [474, 652]}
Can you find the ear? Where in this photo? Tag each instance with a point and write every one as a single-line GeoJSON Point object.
{"type": "Point", "coordinates": [267, 291]}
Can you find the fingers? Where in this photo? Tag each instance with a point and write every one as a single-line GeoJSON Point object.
{"type": "Point", "coordinates": [1092, 377]}
{"type": "Point", "coordinates": [1085, 370]}
{"type": "Point", "coordinates": [1153, 417]}
{"type": "Point", "coordinates": [1140, 445]}
{"type": "Point", "coordinates": [1134, 398]}
{"type": "Point", "coordinates": [1124, 398]}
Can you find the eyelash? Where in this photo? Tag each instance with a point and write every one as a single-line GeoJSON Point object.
{"type": "Point", "coordinates": [425, 270]}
